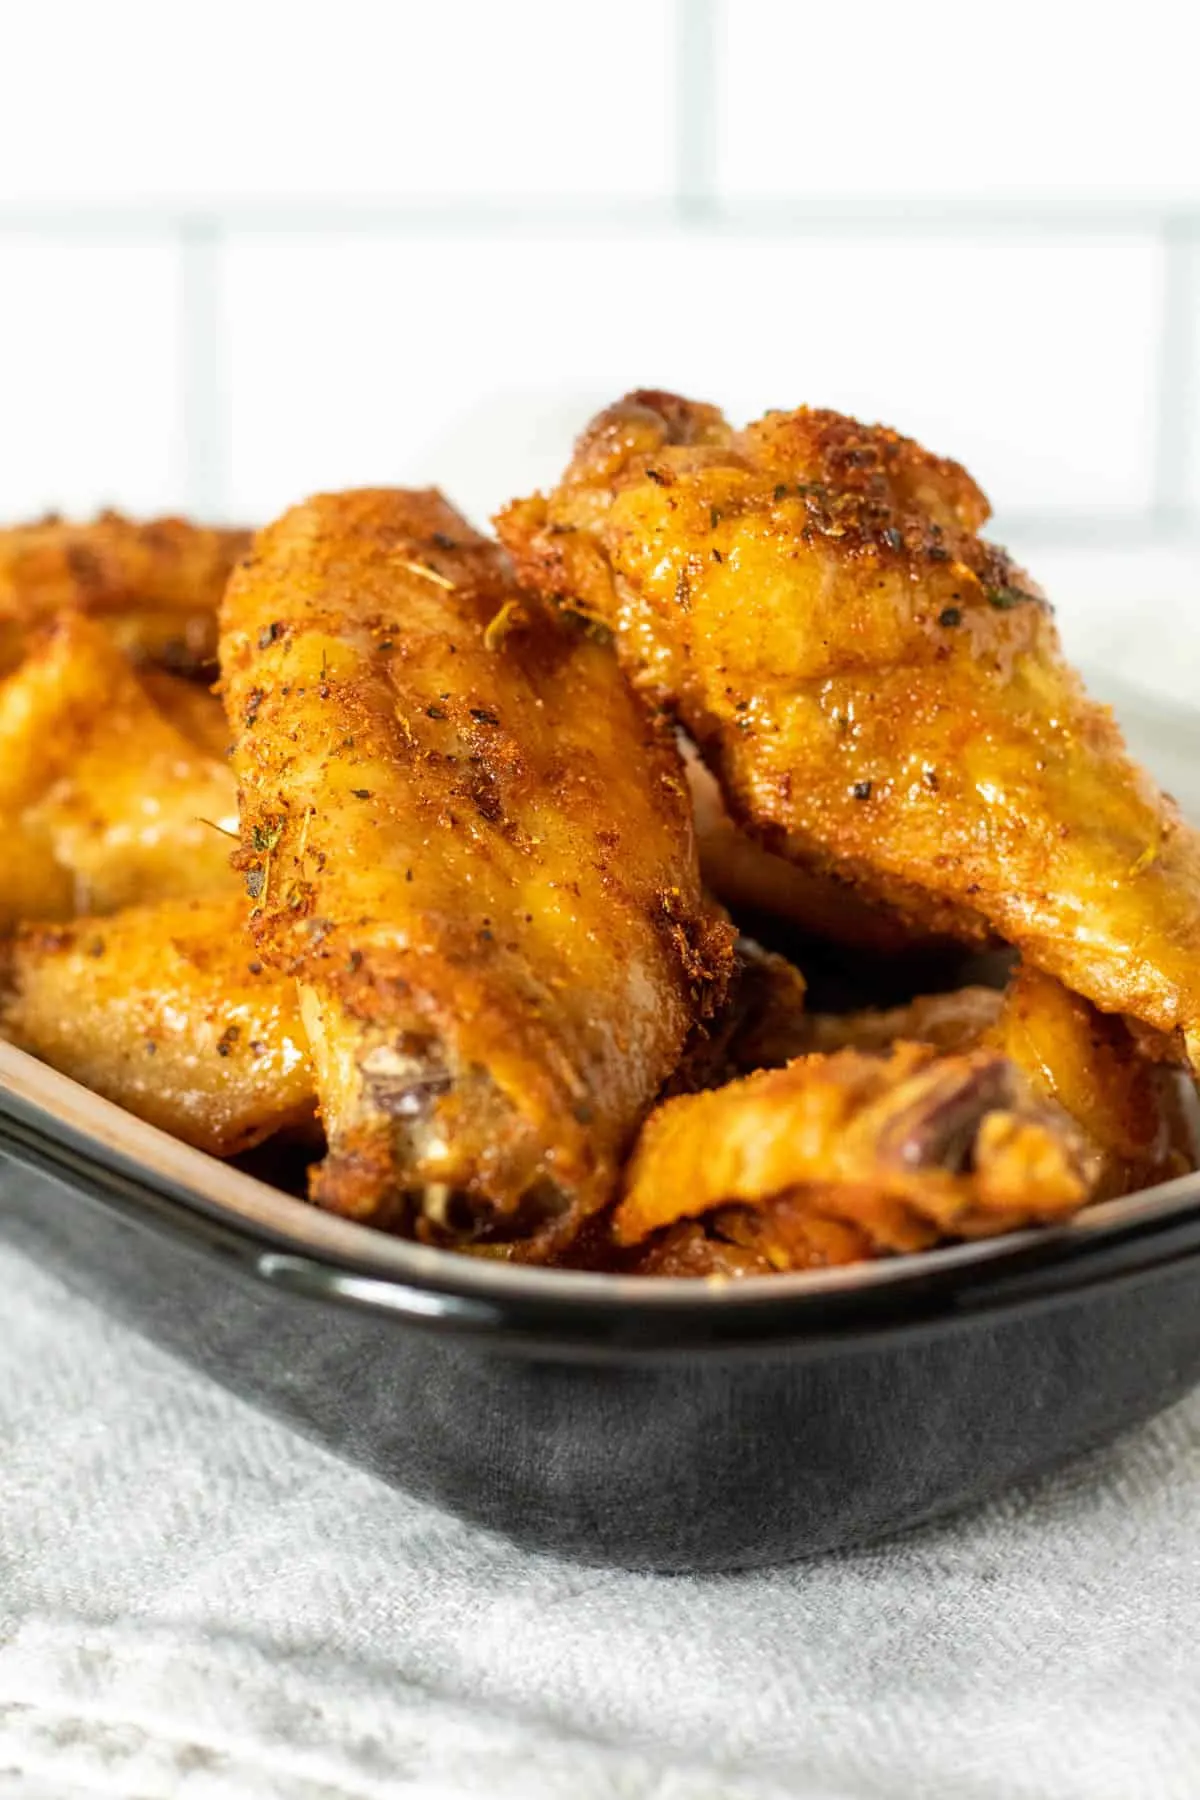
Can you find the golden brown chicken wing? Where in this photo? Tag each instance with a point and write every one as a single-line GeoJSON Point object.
{"type": "Point", "coordinates": [833, 1158]}
{"type": "Point", "coordinates": [155, 585]}
{"type": "Point", "coordinates": [103, 801]}
{"type": "Point", "coordinates": [1132, 1111]}
{"type": "Point", "coordinates": [762, 1024]}
{"type": "Point", "coordinates": [1135, 1112]}
{"type": "Point", "coordinates": [473, 847]}
{"type": "Point", "coordinates": [167, 1011]}
{"type": "Point", "coordinates": [880, 691]}
{"type": "Point", "coordinates": [748, 878]}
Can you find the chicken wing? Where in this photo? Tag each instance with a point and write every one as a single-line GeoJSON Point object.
{"type": "Point", "coordinates": [167, 1011]}
{"type": "Point", "coordinates": [748, 878]}
{"type": "Point", "coordinates": [1134, 1113]}
{"type": "Point", "coordinates": [103, 801]}
{"type": "Point", "coordinates": [833, 1158]}
{"type": "Point", "coordinates": [473, 846]}
{"type": "Point", "coordinates": [880, 692]}
{"type": "Point", "coordinates": [762, 1024]}
{"type": "Point", "coordinates": [155, 585]}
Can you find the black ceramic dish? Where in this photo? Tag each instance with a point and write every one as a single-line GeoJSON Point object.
{"type": "Point", "coordinates": [653, 1424]}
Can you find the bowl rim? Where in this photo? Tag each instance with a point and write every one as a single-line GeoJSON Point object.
{"type": "Point", "coordinates": [54, 1123]}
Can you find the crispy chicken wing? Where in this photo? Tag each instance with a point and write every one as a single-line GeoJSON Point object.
{"type": "Point", "coordinates": [1132, 1110]}
{"type": "Point", "coordinates": [762, 1024]}
{"type": "Point", "coordinates": [1135, 1112]}
{"type": "Point", "coordinates": [892, 1153]}
{"type": "Point", "coordinates": [103, 801]}
{"type": "Point", "coordinates": [155, 585]}
{"type": "Point", "coordinates": [879, 690]}
{"type": "Point", "coordinates": [166, 1010]}
{"type": "Point", "coordinates": [473, 846]}
{"type": "Point", "coordinates": [747, 877]}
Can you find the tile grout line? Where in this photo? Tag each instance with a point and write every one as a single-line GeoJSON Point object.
{"type": "Point", "coordinates": [695, 110]}
{"type": "Point", "coordinates": [1178, 379]}
{"type": "Point", "coordinates": [202, 395]}
{"type": "Point", "coordinates": [832, 216]}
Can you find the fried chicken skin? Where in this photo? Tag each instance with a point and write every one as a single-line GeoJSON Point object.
{"type": "Point", "coordinates": [1131, 1109]}
{"type": "Point", "coordinates": [104, 802]}
{"type": "Point", "coordinates": [167, 1011]}
{"type": "Point", "coordinates": [747, 878]}
{"type": "Point", "coordinates": [473, 847]}
{"type": "Point", "coordinates": [762, 1024]}
{"type": "Point", "coordinates": [154, 585]}
{"type": "Point", "coordinates": [1134, 1110]}
{"type": "Point", "coordinates": [880, 692]}
{"type": "Point", "coordinates": [834, 1158]}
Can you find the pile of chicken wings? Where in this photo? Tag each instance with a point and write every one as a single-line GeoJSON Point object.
{"type": "Point", "coordinates": [605, 893]}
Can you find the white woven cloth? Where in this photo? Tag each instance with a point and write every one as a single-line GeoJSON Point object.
{"type": "Point", "coordinates": [196, 1603]}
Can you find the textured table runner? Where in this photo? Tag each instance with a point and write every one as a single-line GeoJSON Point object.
{"type": "Point", "coordinates": [195, 1602]}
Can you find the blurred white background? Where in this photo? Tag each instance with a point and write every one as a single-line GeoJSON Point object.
{"type": "Point", "coordinates": [248, 250]}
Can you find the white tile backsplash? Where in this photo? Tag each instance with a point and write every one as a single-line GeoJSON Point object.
{"type": "Point", "coordinates": [940, 99]}
{"type": "Point", "coordinates": [395, 241]}
{"type": "Point", "coordinates": [472, 364]}
{"type": "Point", "coordinates": [1129, 609]}
{"type": "Point", "coordinates": [89, 377]}
{"type": "Point", "coordinates": [240, 101]}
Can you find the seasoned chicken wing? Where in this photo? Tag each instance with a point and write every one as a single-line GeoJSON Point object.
{"type": "Point", "coordinates": [835, 1158]}
{"type": "Point", "coordinates": [473, 847]}
{"type": "Point", "coordinates": [155, 585]}
{"type": "Point", "coordinates": [167, 1011]}
{"type": "Point", "coordinates": [747, 877]}
{"type": "Point", "coordinates": [762, 1024]}
{"type": "Point", "coordinates": [1136, 1113]}
{"type": "Point", "coordinates": [880, 692]}
{"type": "Point", "coordinates": [1133, 1111]}
{"type": "Point", "coordinates": [103, 801]}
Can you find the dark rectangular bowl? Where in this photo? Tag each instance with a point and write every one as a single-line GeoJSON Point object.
{"type": "Point", "coordinates": [646, 1423]}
